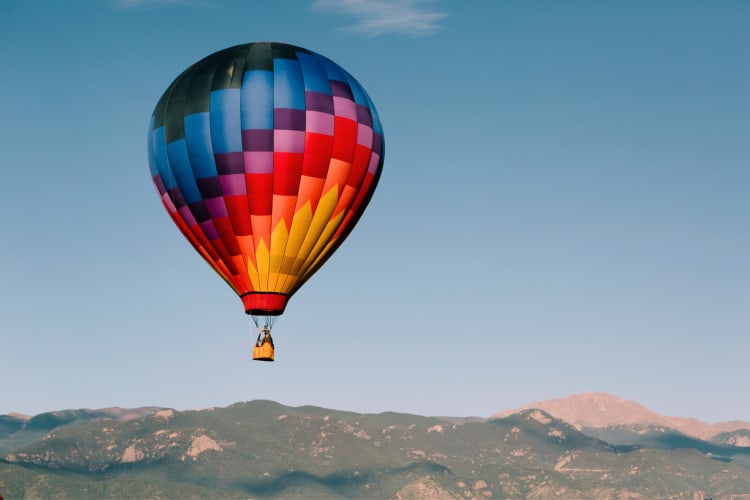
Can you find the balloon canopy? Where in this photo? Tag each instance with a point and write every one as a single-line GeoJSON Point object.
{"type": "Point", "coordinates": [265, 156]}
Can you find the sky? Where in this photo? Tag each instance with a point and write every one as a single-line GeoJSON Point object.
{"type": "Point", "coordinates": [563, 208]}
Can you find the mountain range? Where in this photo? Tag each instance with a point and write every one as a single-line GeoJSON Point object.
{"type": "Point", "coordinates": [591, 445]}
{"type": "Point", "coordinates": [598, 410]}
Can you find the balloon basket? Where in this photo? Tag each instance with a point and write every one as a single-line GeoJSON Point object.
{"type": "Point", "coordinates": [263, 353]}
{"type": "Point", "coordinates": [263, 349]}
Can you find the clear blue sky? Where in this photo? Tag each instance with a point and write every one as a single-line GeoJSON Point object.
{"type": "Point", "coordinates": [564, 207]}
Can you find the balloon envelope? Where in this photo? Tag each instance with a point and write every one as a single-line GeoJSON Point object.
{"type": "Point", "coordinates": [265, 156]}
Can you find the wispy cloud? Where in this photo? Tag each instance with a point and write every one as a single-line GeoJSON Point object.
{"type": "Point", "coordinates": [379, 17]}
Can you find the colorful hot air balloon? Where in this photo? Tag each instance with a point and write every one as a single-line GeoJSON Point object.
{"type": "Point", "coordinates": [265, 156]}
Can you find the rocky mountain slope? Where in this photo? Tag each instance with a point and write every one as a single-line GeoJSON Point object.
{"type": "Point", "coordinates": [262, 449]}
{"type": "Point", "coordinates": [597, 410]}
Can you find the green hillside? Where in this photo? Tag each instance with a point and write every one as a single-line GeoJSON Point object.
{"type": "Point", "coordinates": [264, 449]}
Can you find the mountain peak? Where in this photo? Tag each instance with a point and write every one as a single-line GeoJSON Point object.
{"type": "Point", "coordinates": [18, 416]}
{"type": "Point", "coordinates": [600, 409]}
{"type": "Point", "coordinates": [593, 409]}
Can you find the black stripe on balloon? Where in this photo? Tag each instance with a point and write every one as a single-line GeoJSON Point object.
{"type": "Point", "coordinates": [161, 108]}
{"type": "Point", "coordinates": [198, 91]}
{"type": "Point", "coordinates": [284, 51]}
{"type": "Point", "coordinates": [259, 57]}
{"type": "Point", "coordinates": [174, 126]}
{"type": "Point", "coordinates": [228, 68]}
{"type": "Point", "coordinates": [191, 91]}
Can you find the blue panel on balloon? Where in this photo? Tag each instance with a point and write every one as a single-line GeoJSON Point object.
{"type": "Point", "coordinates": [333, 71]}
{"type": "Point", "coordinates": [153, 159]}
{"type": "Point", "coordinates": [359, 94]}
{"type": "Point", "coordinates": [256, 100]}
{"type": "Point", "coordinates": [182, 171]}
{"type": "Point", "coordinates": [313, 74]}
{"type": "Point", "coordinates": [288, 88]}
{"type": "Point", "coordinates": [226, 135]}
{"type": "Point", "coordinates": [198, 140]}
{"type": "Point", "coordinates": [160, 153]}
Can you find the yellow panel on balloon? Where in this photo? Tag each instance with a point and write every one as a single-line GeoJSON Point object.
{"type": "Point", "coordinates": [279, 238]}
{"type": "Point", "coordinates": [321, 217]}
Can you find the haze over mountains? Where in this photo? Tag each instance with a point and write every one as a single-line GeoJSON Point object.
{"type": "Point", "coordinates": [583, 446]}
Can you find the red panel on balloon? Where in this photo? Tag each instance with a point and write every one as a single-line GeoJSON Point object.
{"type": "Point", "coordinates": [344, 139]}
{"type": "Point", "coordinates": [287, 169]}
{"type": "Point", "coordinates": [259, 193]}
{"type": "Point", "coordinates": [317, 155]}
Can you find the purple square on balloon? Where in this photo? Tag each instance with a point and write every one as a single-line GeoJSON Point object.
{"type": "Point", "coordinates": [216, 207]}
{"type": "Point", "coordinates": [233, 185]}
{"type": "Point", "coordinates": [229, 163]}
{"type": "Point", "coordinates": [258, 162]}
{"type": "Point", "coordinates": [257, 140]}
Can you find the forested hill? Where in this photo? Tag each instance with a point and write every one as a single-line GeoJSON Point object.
{"type": "Point", "coordinates": [265, 449]}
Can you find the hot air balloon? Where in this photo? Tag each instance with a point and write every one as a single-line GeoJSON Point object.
{"type": "Point", "coordinates": [265, 156]}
